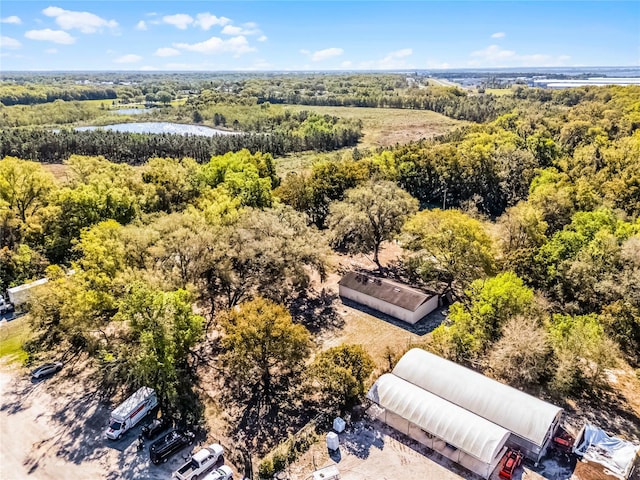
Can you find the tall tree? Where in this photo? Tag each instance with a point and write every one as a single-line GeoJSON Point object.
{"type": "Point", "coordinates": [162, 330]}
{"type": "Point", "coordinates": [478, 322]}
{"type": "Point", "coordinates": [265, 351]}
{"type": "Point", "coordinates": [24, 186]}
{"type": "Point", "coordinates": [340, 374]}
{"type": "Point", "coordinates": [448, 246]}
{"type": "Point", "coordinates": [268, 252]}
{"type": "Point", "coordinates": [368, 216]}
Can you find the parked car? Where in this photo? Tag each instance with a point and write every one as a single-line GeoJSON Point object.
{"type": "Point", "coordinates": [46, 369]}
{"type": "Point", "coordinates": [201, 462]}
{"type": "Point", "coordinates": [155, 427]}
{"type": "Point", "coordinates": [222, 473]}
{"type": "Point", "coordinates": [170, 443]}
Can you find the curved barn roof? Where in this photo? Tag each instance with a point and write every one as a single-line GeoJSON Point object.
{"type": "Point", "coordinates": [456, 426]}
{"type": "Point", "coordinates": [526, 416]}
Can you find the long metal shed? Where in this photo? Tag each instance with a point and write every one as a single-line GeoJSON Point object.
{"type": "Point", "coordinates": [531, 420]}
{"type": "Point", "coordinates": [456, 433]}
{"type": "Point", "coordinates": [387, 296]}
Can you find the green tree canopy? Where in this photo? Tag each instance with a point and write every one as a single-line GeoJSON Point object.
{"type": "Point", "coordinates": [368, 216]}
{"type": "Point", "coordinates": [265, 351]}
{"type": "Point", "coordinates": [447, 246]}
{"type": "Point", "coordinates": [340, 374]}
{"type": "Point", "coordinates": [475, 324]}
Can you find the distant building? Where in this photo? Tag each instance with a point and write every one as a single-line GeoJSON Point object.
{"type": "Point", "coordinates": [393, 298]}
{"type": "Point", "coordinates": [461, 414]}
{"type": "Point", "coordinates": [593, 82]}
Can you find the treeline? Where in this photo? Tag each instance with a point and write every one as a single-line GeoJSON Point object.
{"type": "Point", "coordinates": [53, 147]}
{"type": "Point", "coordinates": [55, 113]}
{"type": "Point", "coordinates": [34, 94]}
{"type": "Point", "coordinates": [451, 102]}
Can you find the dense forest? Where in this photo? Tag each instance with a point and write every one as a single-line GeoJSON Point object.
{"type": "Point", "coordinates": [529, 219]}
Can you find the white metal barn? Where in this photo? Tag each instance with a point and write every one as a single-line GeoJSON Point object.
{"type": "Point", "coordinates": [462, 414]}
{"type": "Point", "coordinates": [393, 298]}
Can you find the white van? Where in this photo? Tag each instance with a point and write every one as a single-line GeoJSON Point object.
{"type": "Point", "coordinates": [131, 411]}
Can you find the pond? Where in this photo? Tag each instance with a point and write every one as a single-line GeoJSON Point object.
{"type": "Point", "coordinates": [131, 111]}
{"type": "Point", "coordinates": [161, 127]}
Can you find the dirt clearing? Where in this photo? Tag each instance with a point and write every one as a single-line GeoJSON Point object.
{"type": "Point", "coordinates": [53, 429]}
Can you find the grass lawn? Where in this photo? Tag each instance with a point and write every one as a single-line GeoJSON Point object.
{"type": "Point", "coordinates": [12, 335]}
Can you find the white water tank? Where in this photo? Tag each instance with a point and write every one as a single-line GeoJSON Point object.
{"type": "Point", "coordinates": [333, 442]}
{"type": "Point", "coordinates": [339, 424]}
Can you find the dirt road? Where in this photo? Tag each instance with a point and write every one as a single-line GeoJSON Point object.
{"type": "Point", "coordinates": [53, 430]}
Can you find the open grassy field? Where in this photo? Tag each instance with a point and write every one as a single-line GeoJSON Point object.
{"type": "Point", "coordinates": [12, 335]}
{"type": "Point", "coordinates": [58, 170]}
{"type": "Point", "coordinates": [383, 127]}
{"type": "Point", "coordinates": [499, 92]}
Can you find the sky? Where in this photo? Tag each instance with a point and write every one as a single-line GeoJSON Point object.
{"type": "Point", "coordinates": [314, 35]}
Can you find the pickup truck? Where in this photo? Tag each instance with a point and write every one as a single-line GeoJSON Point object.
{"type": "Point", "coordinates": [200, 463]}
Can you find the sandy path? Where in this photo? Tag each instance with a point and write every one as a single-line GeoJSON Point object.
{"type": "Point", "coordinates": [53, 430]}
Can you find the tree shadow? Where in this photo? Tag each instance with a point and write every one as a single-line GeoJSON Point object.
{"type": "Point", "coordinates": [607, 410]}
{"type": "Point", "coordinates": [360, 438]}
{"type": "Point", "coordinates": [317, 311]}
{"type": "Point", "coordinates": [554, 465]}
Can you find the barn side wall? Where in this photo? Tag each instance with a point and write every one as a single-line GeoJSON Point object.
{"type": "Point", "coordinates": [381, 306]}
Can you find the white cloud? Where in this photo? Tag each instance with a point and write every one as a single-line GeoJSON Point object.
{"type": "Point", "coordinates": [248, 29]}
{"type": "Point", "coordinates": [304, 51]}
{"type": "Point", "coordinates": [179, 20]}
{"type": "Point", "coordinates": [393, 60]}
{"type": "Point", "coordinates": [320, 55]}
{"type": "Point", "coordinates": [141, 25]}
{"type": "Point", "coordinates": [215, 45]}
{"type": "Point", "coordinates": [8, 42]}
{"type": "Point", "coordinates": [499, 35]}
{"type": "Point", "coordinates": [130, 58]}
{"type": "Point", "coordinates": [148, 68]}
{"type": "Point", "coordinates": [48, 35]}
{"type": "Point", "coordinates": [263, 38]}
{"type": "Point", "coordinates": [12, 19]}
{"type": "Point", "coordinates": [205, 20]}
{"type": "Point", "coordinates": [494, 56]}
{"type": "Point", "coordinates": [393, 56]}
{"type": "Point", "coordinates": [84, 21]}
{"type": "Point", "coordinates": [167, 52]}
{"type": "Point", "coordinates": [51, 50]}
{"type": "Point", "coordinates": [346, 64]}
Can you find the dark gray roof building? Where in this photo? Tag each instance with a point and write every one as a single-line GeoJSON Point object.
{"type": "Point", "coordinates": [393, 298]}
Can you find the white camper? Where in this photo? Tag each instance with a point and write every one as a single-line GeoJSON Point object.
{"type": "Point", "coordinates": [131, 411]}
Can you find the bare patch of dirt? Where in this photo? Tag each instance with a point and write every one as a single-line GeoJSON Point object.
{"type": "Point", "coordinates": [58, 170]}
{"type": "Point", "coordinates": [53, 429]}
{"type": "Point", "coordinates": [371, 450]}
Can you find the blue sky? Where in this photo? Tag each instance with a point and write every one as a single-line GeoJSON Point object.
{"type": "Point", "coordinates": [308, 35]}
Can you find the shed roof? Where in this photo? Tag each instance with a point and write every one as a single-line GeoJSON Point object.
{"type": "Point", "coordinates": [458, 427]}
{"type": "Point", "coordinates": [395, 293]}
{"type": "Point", "coordinates": [522, 414]}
